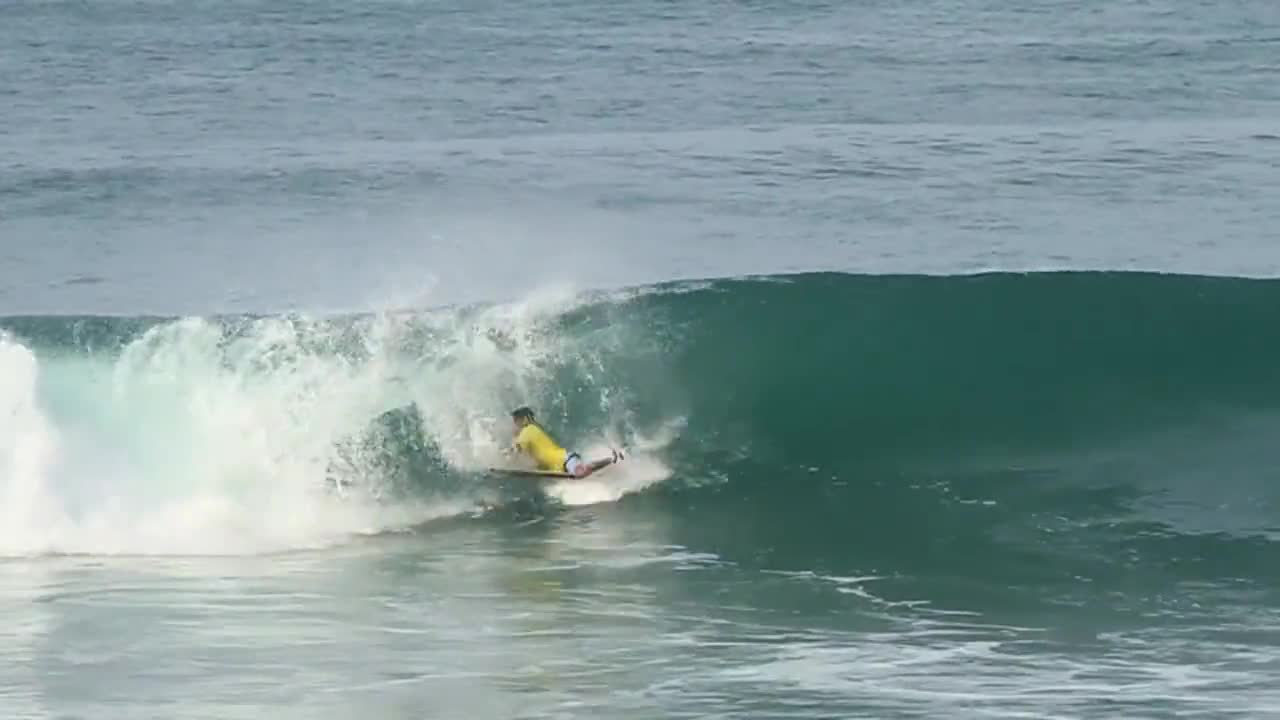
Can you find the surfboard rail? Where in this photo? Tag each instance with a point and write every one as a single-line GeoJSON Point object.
{"type": "Point", "coordinates": [517, 472]}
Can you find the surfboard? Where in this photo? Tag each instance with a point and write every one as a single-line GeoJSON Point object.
{"type": "Point", "coordinates": [543, 474]}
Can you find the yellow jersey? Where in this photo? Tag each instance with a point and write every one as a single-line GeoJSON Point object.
{"type": "Point", "coordinates": [535, 442]}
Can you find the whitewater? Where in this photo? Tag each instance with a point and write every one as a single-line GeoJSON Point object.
{"type": "Point", "coordinates": [234, 435]}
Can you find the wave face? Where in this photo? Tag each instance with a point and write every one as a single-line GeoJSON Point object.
{"type": "Point", "coordinates": [1001, 423]}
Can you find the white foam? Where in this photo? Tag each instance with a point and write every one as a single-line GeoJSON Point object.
{"type": "Point", "coordinates": [28, 450]}
{"type": "Point", "coordinates": [182, 445]}
{"type": "Point", "coordinates": [197, 440]}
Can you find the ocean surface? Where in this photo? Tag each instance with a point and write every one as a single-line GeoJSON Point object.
{"type": "Point", "coordinates": [942, 335]}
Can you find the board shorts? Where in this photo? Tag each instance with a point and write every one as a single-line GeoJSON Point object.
{"type": "Point", "coordinates": [572, 463]}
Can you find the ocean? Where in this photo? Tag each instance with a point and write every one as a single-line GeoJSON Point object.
{"type": "Point", "coordinates": [941, 337]}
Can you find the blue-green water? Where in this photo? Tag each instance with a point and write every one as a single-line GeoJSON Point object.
{"type": "Point", "coordinates": [988, 432]}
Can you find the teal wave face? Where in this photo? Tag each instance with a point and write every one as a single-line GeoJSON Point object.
{"type": "Point", "coordinates": [987, 432]}
{"type": "Point", "coordinates": [883, 368]}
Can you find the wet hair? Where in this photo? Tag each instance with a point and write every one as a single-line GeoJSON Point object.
{"type": "Point", "coordinates": [522, 412]}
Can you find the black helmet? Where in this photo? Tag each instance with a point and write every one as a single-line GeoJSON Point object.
{"type": "Point", "coordinates": [522, 412]}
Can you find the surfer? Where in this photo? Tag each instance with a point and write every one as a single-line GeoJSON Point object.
{"type": "Point", "coordinates": [532, 440]}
